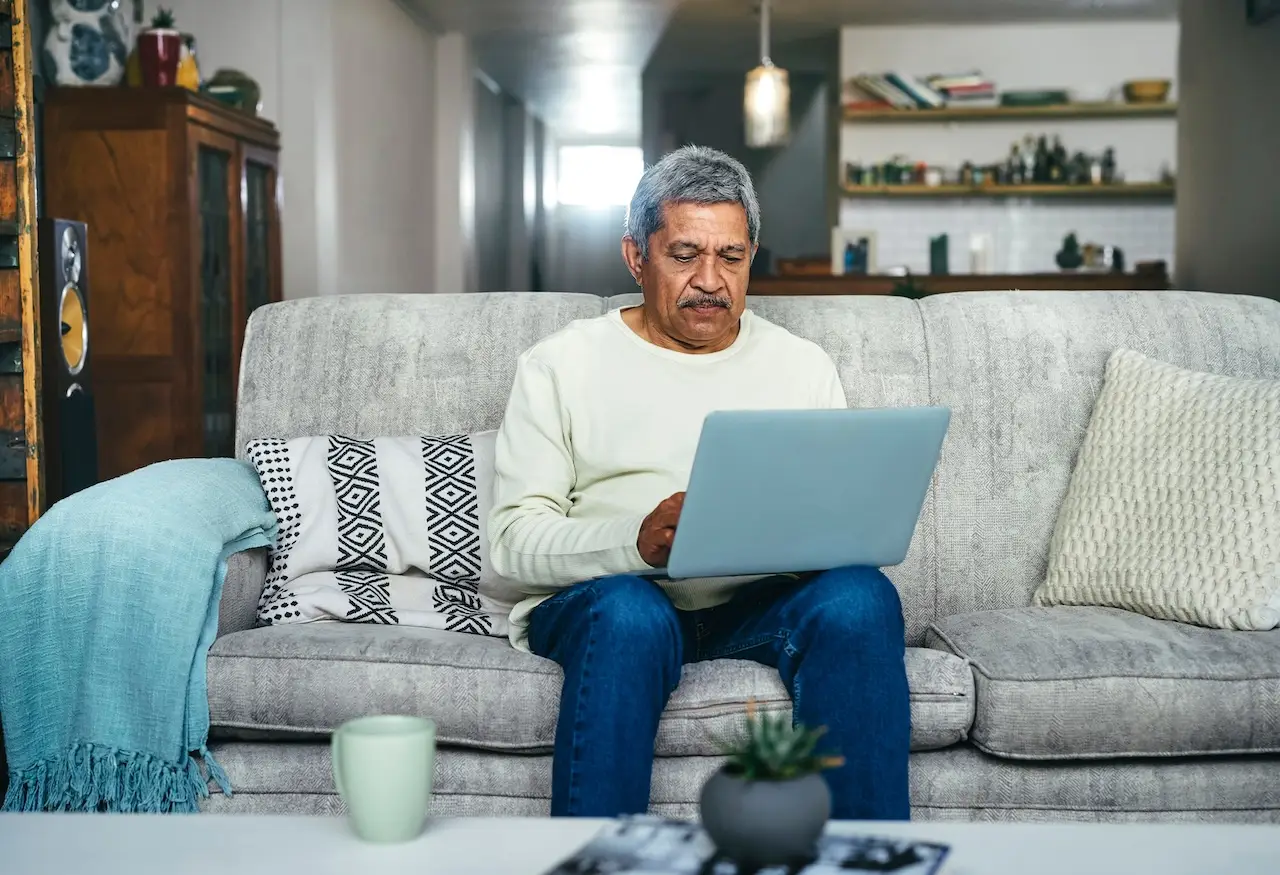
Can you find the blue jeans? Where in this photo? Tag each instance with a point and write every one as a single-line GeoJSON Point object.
{"type": "Point", "coordinates": [835, 638]}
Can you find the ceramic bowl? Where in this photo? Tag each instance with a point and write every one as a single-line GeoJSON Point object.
{"type": "Point", "coordinates": [1147, 90]}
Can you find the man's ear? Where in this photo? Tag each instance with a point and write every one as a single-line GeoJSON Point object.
{"type": "Point", "coordinates": [631, 255]}
{"type": "Point", "coordinates": [755, 247]}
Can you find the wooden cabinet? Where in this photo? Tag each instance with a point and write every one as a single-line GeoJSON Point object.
{"type": "Point", "coordinates": [182, 199]}
{"type": "Point", "coordinates": [21, 429]}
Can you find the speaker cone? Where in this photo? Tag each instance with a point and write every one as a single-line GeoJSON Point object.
{"type": "Point", "coordinates": [74, 340]}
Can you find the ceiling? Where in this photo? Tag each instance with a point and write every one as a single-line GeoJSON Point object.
{"type": "Point", "coordinates": [578, 63]}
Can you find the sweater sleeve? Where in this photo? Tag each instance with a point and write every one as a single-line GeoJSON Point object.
{"type": "Point", "coordinates": [533, 539]}
{"type": "Point", "coordinates": [830, 391]}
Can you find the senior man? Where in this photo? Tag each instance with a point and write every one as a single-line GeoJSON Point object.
{"type": "Point", "coordinates": [595, 448]}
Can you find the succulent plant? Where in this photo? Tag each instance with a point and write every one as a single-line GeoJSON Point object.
{"type": "Point", "coordinates": [775, 750]}
{"type": "Point", "coordinates": [163, 19]}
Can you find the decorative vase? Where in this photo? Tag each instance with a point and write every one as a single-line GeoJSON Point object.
{"type": "Point", "coordinates": [88, 41]}
{"type": "Point", "coordinates": [765, 823]}
{"type": "Point", "coordinates": [159, 51]}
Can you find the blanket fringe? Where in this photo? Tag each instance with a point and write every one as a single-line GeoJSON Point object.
{"type": "Point", "coordinates": [91, 777]}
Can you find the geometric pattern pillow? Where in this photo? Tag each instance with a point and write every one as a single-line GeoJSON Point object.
{"type": "Point", "coordinates": [389, 530]}
{"type": "Point", "coordinates": [1173, 509]}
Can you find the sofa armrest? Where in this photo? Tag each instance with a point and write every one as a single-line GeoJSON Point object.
{"type": "Point", "coordinates": [246, 575]}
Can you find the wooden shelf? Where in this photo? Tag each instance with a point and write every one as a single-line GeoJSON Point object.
{"type": "Point", "coordinates": [997, 113]}
{"type": "Point", "coordinates": [1130, 190]}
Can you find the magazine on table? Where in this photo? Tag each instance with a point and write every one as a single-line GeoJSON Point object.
{"type": "Point", "coordinates": [654, 846]}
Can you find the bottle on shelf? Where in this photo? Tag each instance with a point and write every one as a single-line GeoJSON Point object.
{"type": "Point", "coordinates": [1014, 174]}
{"type": "Point", "coordinates": [1058, 162]}
{"type": "Point", "coordinates": [1029, 159]}
{"type": "Point", "coordinates": [1109, 166]}
{"type": "Point", "coordinates": [1042, 160]}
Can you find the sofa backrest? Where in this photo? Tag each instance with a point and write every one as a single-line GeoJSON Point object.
{"type": "Point", "coordinates": [1020, 371]}
{"type": "Point", "coordinates": [376, 365]}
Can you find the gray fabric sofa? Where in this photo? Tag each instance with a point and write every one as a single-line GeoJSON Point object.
{"type": "Point", "coordinates": [1019, 713]}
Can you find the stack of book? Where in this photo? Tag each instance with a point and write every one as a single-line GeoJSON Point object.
{"type": "Point", "coordinates": [965, 89]}
{"type": "Point", "coordinates": [902, 91]}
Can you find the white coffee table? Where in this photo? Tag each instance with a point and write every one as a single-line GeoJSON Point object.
{"type": "Point", "coordinates": [38, 844]}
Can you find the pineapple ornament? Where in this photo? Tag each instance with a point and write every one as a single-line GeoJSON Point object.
{"type": "Point", "coordinates": [768, 804]}
{"type": "Point", "coordinates": [159, 51]}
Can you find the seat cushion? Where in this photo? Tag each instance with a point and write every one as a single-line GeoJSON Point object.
{"type": "Point", "coordinates": [1086, 683]}
{"type": "Point", "coordinates": [305, 680]}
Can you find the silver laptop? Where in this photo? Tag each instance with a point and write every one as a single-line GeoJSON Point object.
{"type": "Point", "coordinates": [805, 490]}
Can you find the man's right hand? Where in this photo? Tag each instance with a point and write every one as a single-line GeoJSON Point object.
{"type": "Point", "coordinates": [658, 531]}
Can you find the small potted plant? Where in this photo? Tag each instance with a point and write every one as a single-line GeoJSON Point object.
{"type": "Point", "coordinates": [768, 804]}
{"type": "Point", "coordinates": [160, 50]}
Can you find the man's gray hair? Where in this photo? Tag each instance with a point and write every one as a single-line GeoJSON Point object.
{"type": "Point", "coordinates": [691, 175]}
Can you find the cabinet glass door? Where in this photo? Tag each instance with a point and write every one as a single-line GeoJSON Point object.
{"type": "Point", "coordinates": [213, 168]}
{"type": "Point", "coordinates": [260, 187]}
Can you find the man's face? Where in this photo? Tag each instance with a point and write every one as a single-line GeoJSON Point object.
{"type": "Point", "coordinates": [695, 278]}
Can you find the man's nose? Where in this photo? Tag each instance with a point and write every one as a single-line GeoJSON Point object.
{"type": "Point", "coordinates": [707, 279]}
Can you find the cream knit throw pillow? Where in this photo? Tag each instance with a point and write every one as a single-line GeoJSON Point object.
{"type": "Point", "coordinates": [1173, 509]}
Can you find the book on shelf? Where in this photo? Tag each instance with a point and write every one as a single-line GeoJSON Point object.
{"type": "Point", "coordinates": [948, 81]}
{"type": "Point", "coordinates": [880, 88]}
{"type": "Point", "coordinates": [902, 91]}
{"type": "Point", "coordinates": [924, 96]}
{"type": "Point", "coordinates": [646, 845]}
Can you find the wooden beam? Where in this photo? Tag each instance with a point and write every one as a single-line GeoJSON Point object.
{"type": "Point", "coordinates": [24, 115]}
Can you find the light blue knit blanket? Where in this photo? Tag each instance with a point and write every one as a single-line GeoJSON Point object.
{"type": "Point", "coordinates": [108, 606]}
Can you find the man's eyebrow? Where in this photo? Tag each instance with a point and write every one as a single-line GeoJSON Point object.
{"type": "Point", "coordinates": [688, 244]}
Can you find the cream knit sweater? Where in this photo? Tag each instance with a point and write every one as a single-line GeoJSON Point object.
{"type": "Point", "coordinates": [602, 425]}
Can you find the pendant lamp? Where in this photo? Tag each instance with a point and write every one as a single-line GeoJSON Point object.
{"type": "Point", "coordinates": [767, 97]}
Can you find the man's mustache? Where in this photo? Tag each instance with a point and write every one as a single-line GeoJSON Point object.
{"type": "Point", "coordinates": [705, 301]}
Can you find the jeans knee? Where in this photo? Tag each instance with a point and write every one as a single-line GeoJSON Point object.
{"type": "Point", "coordinates": [635, 614]}
{"type": "Point", "coordinates": [857, 604]}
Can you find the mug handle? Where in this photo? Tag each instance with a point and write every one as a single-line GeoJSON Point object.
{"type": "Point", "coordinates": [335, 760]}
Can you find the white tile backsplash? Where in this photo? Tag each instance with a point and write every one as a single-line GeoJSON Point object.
{"type": "Point", "coordinates": [1025, 234]}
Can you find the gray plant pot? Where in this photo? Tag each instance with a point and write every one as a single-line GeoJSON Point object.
{"type": "Point", "coordinates": [765, 823]}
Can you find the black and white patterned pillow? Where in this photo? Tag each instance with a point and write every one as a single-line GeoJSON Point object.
{"type": "Point", "coordinates": [389, 530]}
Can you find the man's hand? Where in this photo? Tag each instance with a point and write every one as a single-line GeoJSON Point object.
{"type": "Point", "coordinates": [658, 531]}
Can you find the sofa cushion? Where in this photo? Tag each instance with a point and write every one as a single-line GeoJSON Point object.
{"type": "Point", "coordinates": [305, 680]}
{"type": "Point", "coordinates": [1085, 683]}
{"type": "Point", "coordinates": [390, 530]}
{"type": "Point", "coordinates": [1173, 500]}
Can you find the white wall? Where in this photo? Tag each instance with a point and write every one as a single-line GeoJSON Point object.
{"type": "Point", "coordinates": [1027, 233]}
{"type": "Point", "coordinates": [493, 242]}
{"type": "Point", "coordinates": [587, 253]}
{"type": "Point", "coordinates": [1229, 197]}
{"type": "Point", "coordinates": [349, 84]}
{"type": "Point", "coordinates": [455, 177]}
{"type": "Point", "coordinates": [384, 67]}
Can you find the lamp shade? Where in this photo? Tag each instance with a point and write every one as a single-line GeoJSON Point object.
{"type": "Point", "coordinates": [767, 105]}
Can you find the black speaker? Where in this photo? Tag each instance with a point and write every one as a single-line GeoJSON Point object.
{"type": "Point", "coordinates": [70, 432]}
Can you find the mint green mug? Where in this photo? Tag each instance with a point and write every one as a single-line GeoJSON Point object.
{"type": "Point", "coordinates": [382, 767]}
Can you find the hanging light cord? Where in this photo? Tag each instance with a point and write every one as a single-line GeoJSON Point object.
{"type": "Point", "coordinates": [764, 34]}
